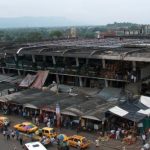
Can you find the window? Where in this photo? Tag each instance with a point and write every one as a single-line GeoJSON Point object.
{"type": "Point", "coordinates": [36, 145]}
{"type": "Point", "coordinates": [46, 131]}
{"type": "Point", "coordinates": [76, 140]}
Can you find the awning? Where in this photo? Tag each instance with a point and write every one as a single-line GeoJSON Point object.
{"type": "Point", "coordinates": [28, 80]}
{"type": "Point", "coordinates": [145, 112]}
{"type": "Point", "coordinates": [30, 106]}
{"type": "Point", "coordinates": [135, 117]}
{"type": "Point", "coordinates": [69, 113]}
{"type": "Point", "coordinates": [91, 118]}
{"type": "Point", "coordinates": [145, 100]}
{"type": "Point", "coordinates": [118, 111]}
{"type": "Point", "coordinates": [40, 80]}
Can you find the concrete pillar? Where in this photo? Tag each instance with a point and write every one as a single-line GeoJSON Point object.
{"type": "Point", "coordinates": [19, 73]}
{"type": "Point", "coordinates": [87, 61]}
{"type": "Point", "coordinates": [85, 81]}
{"type": "Point", "coordinates": [134, 65]}
{"type": "Point", "coordinates": [33, 58]}
{"type": "Point", "coordinates": [106, 83]}
{"type": "Point", "coordinates": [77, 62]}
{"type": "Point", "coordinates": [62, 79]}
{"type": "Point", "coordinates": [80, 82]}
{"type": "Point", "coordinates": [54, 60]}
{"type": "Point", "coordinates": [103, 63]}
{"type": "Point", "coordinates": [57, 79]}
{"type": "Point", "coordinates": [15, 56]}
{"type": "Point", "coordinates": [3, 71]}
{"type": "Point", "coordinates": [44, 58]}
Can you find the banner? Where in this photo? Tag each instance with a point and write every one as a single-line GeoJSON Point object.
{"type": "Point", "coordinates": [58, 115]}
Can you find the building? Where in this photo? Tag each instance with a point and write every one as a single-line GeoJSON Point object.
{"type": "Point", "coordinates": [86, 63]}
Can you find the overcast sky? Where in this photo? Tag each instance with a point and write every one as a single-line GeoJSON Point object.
{"type": "Point", "coordinates": [89, 11]}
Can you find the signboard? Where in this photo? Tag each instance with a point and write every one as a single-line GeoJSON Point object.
{"type": "Point", "coordinates": [58, 115]}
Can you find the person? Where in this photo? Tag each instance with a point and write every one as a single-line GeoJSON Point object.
{"type": "Point", "coordinates": [78, 144]}
{"type": "Point", "coordinates": [15, 148]}
{"type": "Point", "coordinates": [49, 124]}
{"type": "Point", "coordinates": [97, 143]}
{"type": "Point", "coordinates": [78, 129]}
{"type": "Point", "coordinates": [21, 140]}
{"type": "Point", "coordinates": [8, 135]}
{"type": "Point", "coordinates": [17, 134]}
{"type": "Point", "coordinates": [146, 146]}
{"type": "Point", "coordinates": [12, 134]}
{"type": "Point", "coordinates": [4, 133]}
{"type": "Point", "coordinates": [143, 138]}
{"type": "Point", "coordinates": [117, 135]}
{"type": "Point", "coordinates": [37, 121]}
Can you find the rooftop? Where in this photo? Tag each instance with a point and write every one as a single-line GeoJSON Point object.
{"type": "Point", "coordinates": [110, 48]}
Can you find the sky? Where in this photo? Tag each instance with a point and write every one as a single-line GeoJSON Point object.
{"type": "Point", "coordinates": [88, 11]}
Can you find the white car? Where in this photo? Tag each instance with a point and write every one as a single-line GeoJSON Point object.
{"type": "Point", "coordinates": [34, 146]}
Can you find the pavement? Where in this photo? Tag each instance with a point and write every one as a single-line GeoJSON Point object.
{"type": "Point", "coordinates": [109, 145]}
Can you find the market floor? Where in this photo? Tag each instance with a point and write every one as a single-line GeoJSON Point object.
{"type": "Point", "coordinates": [110, 145]}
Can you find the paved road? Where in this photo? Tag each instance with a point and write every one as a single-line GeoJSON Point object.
{"type": "Point", "coordinates": [110, 145]}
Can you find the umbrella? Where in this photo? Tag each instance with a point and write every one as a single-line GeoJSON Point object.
{"type": "Point", "coordinates": [62, 137]}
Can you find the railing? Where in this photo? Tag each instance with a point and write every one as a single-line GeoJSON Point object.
{"type": "Point", "coordinates": [70, 71]}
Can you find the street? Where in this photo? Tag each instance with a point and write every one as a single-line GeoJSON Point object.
{"type": "Point", "coordinates": [109, 145]}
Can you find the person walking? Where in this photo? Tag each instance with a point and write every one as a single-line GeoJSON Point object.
{"type": "Point", "coordinates": [15, 148]}
{"type": "Point", "coordinates": [12, 134]}
{"type": "Point", "coordinates": [143, 138]}
{"type": "Point", "coordinates": [8, 135]}
{"type": "Point", "coordinates": [21, 140]}
{"type": "Point", "coordinates": [4, 133]}
{"type": "Point", "coordinates": [17, 134]}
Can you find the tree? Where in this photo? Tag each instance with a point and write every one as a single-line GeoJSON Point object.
{"type": "Point", "coordinates": [56, 34]}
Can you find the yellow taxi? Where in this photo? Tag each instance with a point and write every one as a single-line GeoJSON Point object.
{"type": "Point", "coordinates": [4, 121]}
{"type": "Point", "coordinates": [78, 142]}
{"type": "Point", "coordinates": [49, 132]}
{"type": "Point", "coordinates": [26, 127]}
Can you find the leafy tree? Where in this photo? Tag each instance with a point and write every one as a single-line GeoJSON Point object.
{"type": "Point", "coordinates": [56, 34]}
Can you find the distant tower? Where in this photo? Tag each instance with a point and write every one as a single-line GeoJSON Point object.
{"type": "Point", "coordinates": [73, 32]}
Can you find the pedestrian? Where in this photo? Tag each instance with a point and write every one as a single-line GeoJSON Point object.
{"type": "Point", "coordinates": [37, 121]}
{"type": "Point", "coordinates": [21, 140]}
{"type": "Point", "coordinates": [12, 134]}
{"type": "Point", "coordinates": [15, 148]}
{"type": "Point", "coordinates": [78, 129]}
{"type": "Point", "coordinates": [143, 138]}
{"type": "Point", "coordinates": [17, 135]}
{"type": "Point", "coordinates": [4, 133]}
{"type": "Point", "coordinates": [117, 135]}
{"type": "Point", "coordinates": [48, 124]}
{"type": "Point", "coordinates": [8, 135]}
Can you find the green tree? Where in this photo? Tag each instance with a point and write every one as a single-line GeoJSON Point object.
{"type": "Point", "coordinates": [56, 34]}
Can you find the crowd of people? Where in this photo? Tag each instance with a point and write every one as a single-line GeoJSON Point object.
{"type": "Point", "coordinates": [124, 133]}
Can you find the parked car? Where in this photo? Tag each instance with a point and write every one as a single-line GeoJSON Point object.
{"type": "Point", "coordinates": [34, 146]}
{"type": "Point", "coordinates": [78, 141]}
{"type": "Point", "coordinates": [27, 127]}
{"type": "Point", "coordinates": [4, 121]}
{"type": "Point", "coordinates": [49, 132]}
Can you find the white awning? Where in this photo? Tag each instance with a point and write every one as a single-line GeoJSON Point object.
{"type": "Point", "coordinates": [145, 112]}
{"type": "Point", "coordinates": [118, 111]}
{"type": "Point", "coordinates": [30, 106]}
{"type": "Point", "coordinates": [69, 113]}
{"type": "Point", "coordinates": [145, 100]}
{"type": "Point", "coordinates": [91, 117]}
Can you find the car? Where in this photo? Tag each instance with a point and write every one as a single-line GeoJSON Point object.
{"type": "Point", "coordinates": [27, 127]}
{"type": "Point", "coordinates": [34, 146]}
{"type": "Point", "coordinates": [78, 141]}
{"type": "Point", "coordinates": [49, 132]}
{"type": "Point", "coordinates": [4, 121]}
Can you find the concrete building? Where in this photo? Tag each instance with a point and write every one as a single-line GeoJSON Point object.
{"type": "Point", "coordinates": [85, 63]}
